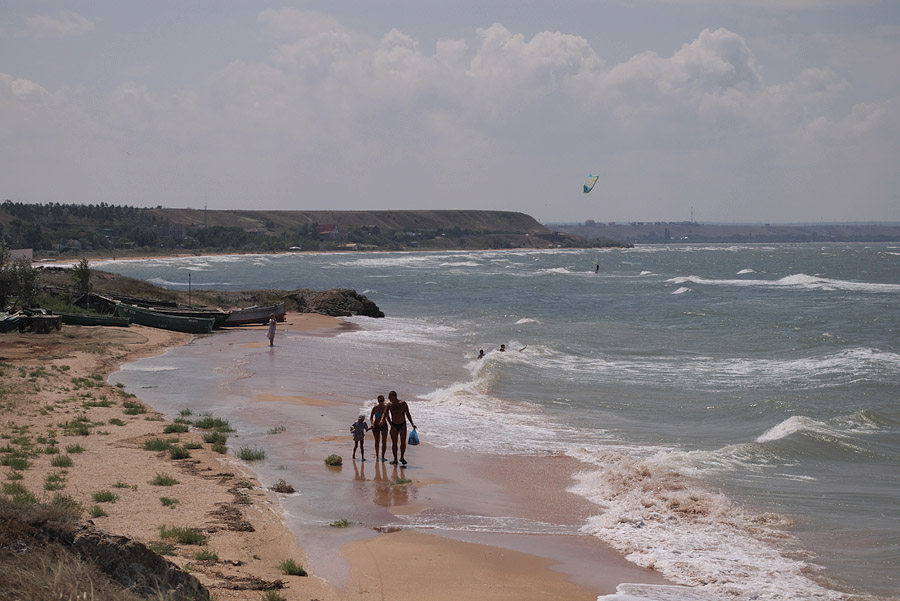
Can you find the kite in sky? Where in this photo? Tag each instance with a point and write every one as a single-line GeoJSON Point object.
{"type": "Point", "coordinates": [589, 183]}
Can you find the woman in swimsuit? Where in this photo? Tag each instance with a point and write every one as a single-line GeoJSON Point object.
{"type": "Point", "coordinates": [379, 425]}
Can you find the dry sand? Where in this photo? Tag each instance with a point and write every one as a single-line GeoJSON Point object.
{"type": "Point", "coordinates": [53, 381]}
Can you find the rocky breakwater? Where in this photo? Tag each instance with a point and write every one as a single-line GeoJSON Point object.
{"type": "Point", "coordinates": [339, 302]}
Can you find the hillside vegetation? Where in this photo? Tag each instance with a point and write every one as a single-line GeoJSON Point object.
{"type": "Point", "coordinates": [99, 230]}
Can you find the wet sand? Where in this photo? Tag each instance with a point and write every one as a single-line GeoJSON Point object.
{"type": "Point", "coordinates": [219, 494]}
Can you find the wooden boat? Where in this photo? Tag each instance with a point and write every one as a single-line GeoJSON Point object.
{"type": "Point", "coordinates": [87, 319]}
{"type": "Point", "coordinates": [255, 315]}
{"type": "Point", "coordinates": [218, 316]}
{"type": "Point", "coordinates": [9, 323]}
{"type": "Point", "coordinates": [154, 319]}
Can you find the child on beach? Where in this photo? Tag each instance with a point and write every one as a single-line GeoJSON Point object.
{"type": "Point", "coordinates": [358, 428]}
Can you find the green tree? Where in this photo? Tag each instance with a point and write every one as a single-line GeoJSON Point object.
{"type": "Point", "coordinates": [81, 277]}
{"type": "Point", "coordinates": [25, 284]}
{"type": "Point", "coordinates": [6, 275]}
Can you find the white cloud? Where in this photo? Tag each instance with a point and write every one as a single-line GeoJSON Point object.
{"type": "Point", "coordinates": [334, 117]}
{"type": "Point", "coordinates": [64, 24]}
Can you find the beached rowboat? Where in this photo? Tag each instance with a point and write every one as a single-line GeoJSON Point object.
{"type": "Point", "coordinates": [85, 319]}
{"type": "Point", "coordinates": [154, 319]}
{"type": "Point", "coordinates": [254, 315]}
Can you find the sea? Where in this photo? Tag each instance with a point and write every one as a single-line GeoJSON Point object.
{"type": "Point", "coordinates": [735, 406]}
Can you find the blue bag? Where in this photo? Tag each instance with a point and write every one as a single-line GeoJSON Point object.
{"type": "Point", "coordinates": [413, 437]}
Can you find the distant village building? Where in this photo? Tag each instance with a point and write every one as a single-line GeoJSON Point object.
{"type": "Point", "coordinates": [328, 230]}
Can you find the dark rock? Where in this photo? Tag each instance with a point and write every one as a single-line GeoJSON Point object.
{"type": "Point", "coordinates": [339, 302]}
{"type": "Point", "coordinates": [132, 564]}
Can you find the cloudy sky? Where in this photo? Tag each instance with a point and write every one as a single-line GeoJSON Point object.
{"type": "Point", "coordinates": [746, 110]}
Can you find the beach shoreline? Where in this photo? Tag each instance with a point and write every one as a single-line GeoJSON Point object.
{"type": "Point", "coordinates": [222, 493]}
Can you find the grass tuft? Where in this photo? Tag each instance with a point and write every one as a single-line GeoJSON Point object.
{"type": "Point", "coordinates": [185, 536]}
{"type": "Point", "coordinates": [158, 444]}
{"type": "Point", "coordinates": [342, 523]}
{"type": "Point", "coordinates": [334, 460]}
{"type": "Point", "coordinates": [251, 454]}
{"type": "Point", "coordinates": [97, 512]}
{"type": "Point", "coordinates": [209, 422]}
{"type": "Point", "coordinates": [61, 461]}
{"type": "Point", "coordinates": [291, 568]}
{"type": "Point", "coordinates": [168, 502]}
{"type": "Point", "coordinates": [163, 480]}
{"type": "Point", "coordinates": [206, 555]}
{"type": "Point", "coordinates": [105, 496]}
{"type": "Point", "coordinates": [178, 452]}
{"type": "Point", "coordinates": [176, 429]}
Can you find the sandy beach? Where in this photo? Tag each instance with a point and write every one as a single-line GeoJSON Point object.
{"type": "Point", "coordinates": [56, 381]}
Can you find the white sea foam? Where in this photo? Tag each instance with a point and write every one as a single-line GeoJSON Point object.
{"type": "Point", "coordinates": [799, 281]}
{"type": "Point", "coordinates": [147, 368]}
{"type": "Point", "coordinates": [645, 272]}
{"type": "Point", "coordinates": [657, 592]}
{"type": "Point", "coordinates": [692, 536]}
{"type": "Point", "coordinates": [682, 290]}
{"type": "Point", "coordinates": [743, 271]}
{"type": "Point", "coordinates": [525, 320]}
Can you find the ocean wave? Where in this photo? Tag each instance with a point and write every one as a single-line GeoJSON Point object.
{"type": "Point", "coordinates": [799, 281]}
{"type": "Point", "coordinates": [744, 271]}
{"type": "Point", "coordinates": [692, 536]}
{"type": "Point", "coordinates": [169, 284]}
{"type": "Point", "coordinates": [682, 290]}
{"type": "Point", "coordinates": [801, 373]}
{"type": "Point", "coordinates": [525, 320]}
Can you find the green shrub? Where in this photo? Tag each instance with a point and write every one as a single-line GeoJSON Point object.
{"type": "Point", "coordinates": [271, 595]}
{"type": "Point", "coordinates": [220, 448]}
{"type": "Point", "coordinates": [206, 555]}
{"type": "Point", "coordinates": [215, 437]}
{"type": "Point", "coordinates": [192, 445]}
{"type": "Point", "coordinates": [158, 444]}
{"type": "Point", "coordinates": [73, 449]}
{"type": "Point", "coordinates": [16, 463]}
{"type": "Point", "coordinates": [116, 422]}
{"type": "Point", "coordinates": [54, 481]}
{"type": "Point", "coordinates": [162, 548]}
{"type": "Point", "coordinates": [168, 502]}
{"type": "Point", "coordinates": [177, 452]}
{"type": "Point", "coordinates": [208, 422]}
{"type": "Point", "coordinates": [61, 461]}
{"type": "Point", "coordinates": [251, 454]}
{"type": "Point", "coordinates": [105, 496]}
{"type": "Point", "coordinates": [121, 484]}
{"type": "Point", "coordinates": [291, 568]}
{"type": "Point", "coordinates": [396, 481]}
{"type": "Point", "coordinates": [185, 536]}
{"type": "Point", "coordinates": [175, 428]}
{"type": "Point", "coordinates": [163, 480]}
{"type": "Point", "coordinates": [342, 523]}
{"type": "Point", "coordinates": [133, 408]}
{"type": "Point", "coordinates": [97, 512]}
{"type": "Point", "coordinates": [334, 460]}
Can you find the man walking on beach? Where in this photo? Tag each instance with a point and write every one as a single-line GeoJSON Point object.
{"type": "Point", "coordinates": [398, 413]}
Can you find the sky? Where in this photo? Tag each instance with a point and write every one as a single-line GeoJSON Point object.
{"type": "Point", "coordinates": [740, 111]}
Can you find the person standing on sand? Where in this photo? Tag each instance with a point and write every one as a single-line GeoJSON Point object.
{"type": "Point", "coordinates": [398, 413]}
{"type": "Point", "coordinates": [358, 428]}
{"type": "Point", "coordinates": [271, 333]}
{"type": "Point", "coordinates": [378, 417]}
